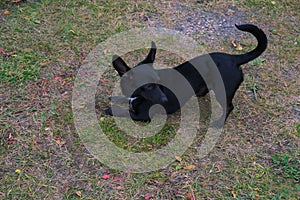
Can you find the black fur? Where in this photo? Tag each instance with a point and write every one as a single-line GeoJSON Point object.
{"type": "Point", "coordinates": [153, 93]}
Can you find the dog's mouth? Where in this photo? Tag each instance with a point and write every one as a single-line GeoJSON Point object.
{"type": "Point", "coordinates": [160, 100]}
{"type": "Point", "coordinates": [155, 101]}
{"type": "Point", "coordinates": [131, 99]}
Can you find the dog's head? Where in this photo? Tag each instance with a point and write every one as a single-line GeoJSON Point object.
{"type": "Point", "coordinates": [141, 80]}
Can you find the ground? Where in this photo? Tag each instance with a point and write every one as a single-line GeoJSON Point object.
{"type": "Point", "coordinates": [44, 43]}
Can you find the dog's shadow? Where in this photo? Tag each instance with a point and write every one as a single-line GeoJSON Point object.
{"type": "Point", "coordinates": [128, 142]}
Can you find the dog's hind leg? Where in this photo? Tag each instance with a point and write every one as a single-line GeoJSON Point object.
{"type": "Point", "coordinates": [229, 109]}
{"type": "Point", "coordinates": [202, 92]}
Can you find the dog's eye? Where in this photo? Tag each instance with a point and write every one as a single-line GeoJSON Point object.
{"type": "Point", "coordinates": [149, 87]}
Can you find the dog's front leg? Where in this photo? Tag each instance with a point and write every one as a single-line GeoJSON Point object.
{"type": "Point", "coordinates": [121, 112]}
{"type": "Point", "coordinates": [118, 99]}
{"type": "Point", "coordinates": [116, 111]}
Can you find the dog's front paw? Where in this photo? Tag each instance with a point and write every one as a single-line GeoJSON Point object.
{"type": "Point", "coordinates": [108, 111]}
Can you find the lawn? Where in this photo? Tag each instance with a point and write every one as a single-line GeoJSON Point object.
{"type": "Point", "coordinates": [44, 43]}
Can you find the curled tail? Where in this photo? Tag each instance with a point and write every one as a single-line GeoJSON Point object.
{"type": "Point", "coordinates": [260, 48]}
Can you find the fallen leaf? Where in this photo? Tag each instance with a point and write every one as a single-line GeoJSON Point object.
{"type": "Point", "coordinates": [102, 119]}
{"type": "Point", "coordinates": [233, 194]}
{"type": "Point", "coordinates": [57, 78]}
{"type": "Point", "coordinates": [233, 43]}
{"type": "Point", "coordinates": [104, 80]}
{"type": "Point", "coordinates": [38, 141]}
{"type": "Point", "coordinates": [190, 196]}
{"type": "Point", "coordinates": [81, 106]}
{"type": "Point", "coordinates": [2, 51]}
{"type": "Point", "coordinates": [6, 12]}
{"type": "Point", "coordinates": [190, 167]}
{"type": "Point", "coordinates": [11, 139]}
{"type": "Point", "coordinates": [59, 141]}
{"type": "Point", "coordinates": [73, 32]}
{"type": "Point", "coordinates": [178, 158]}
{"type": "Point", "coordinates": [239, 47]}
{"type": "Point", "coordinates": [18, 171]}
{"type": "Point", "coordinates": [106, 176]}
{"type": "Point", "coordinates": [78, 193]}
{"type": "Point", "coordinates": [148, 196]}
{"type": "Point", "coordinates": [119, 187]}
{"type": "Point", "coordinates": [63, 83]}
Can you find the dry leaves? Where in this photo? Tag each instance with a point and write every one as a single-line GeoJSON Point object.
{"type": "Point", "coordinates": [190, 196]}
{"type": "Point", "coordinates": [60, 141]}
{"type": "Point", "coordinates": [78, 193]}
{"type": "Point", "coordinates": [190, 167]}
{"type": "Point", "coordinates": [106, 176]}
{"type": "Point", "coordinates": [148, 196]}
{"type": "Point", "coordinates": [236, 46]}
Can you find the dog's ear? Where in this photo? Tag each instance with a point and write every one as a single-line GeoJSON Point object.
{"type": "Point", "coordinates": [151, 55]}
{"type": "Point", "coordinates": [120, 65]}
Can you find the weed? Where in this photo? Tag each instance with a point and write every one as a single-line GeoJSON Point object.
{"type": "Point", "coordinates": [288, 165]}
{"type": "Point", "coordinates": [257, 62]}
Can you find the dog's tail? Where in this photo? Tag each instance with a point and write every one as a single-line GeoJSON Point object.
{"type": "Point", "coordinates": [260, 48]}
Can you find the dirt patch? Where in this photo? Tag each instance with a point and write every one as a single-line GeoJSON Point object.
{"type": "Point", "coordinates": [207, 26]}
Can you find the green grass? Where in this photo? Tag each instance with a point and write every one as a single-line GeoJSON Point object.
{"type": "Point", "coordinates": [42, 157]}
{"type": "Point", "coordinates": [20, 67]}
{"type": "Point", "coordinates": [121, 139]}
{"type": "Point", "coordinates": [287, 165]}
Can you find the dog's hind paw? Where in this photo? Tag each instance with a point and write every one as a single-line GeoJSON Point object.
{"type": "Point", "coordinates": [218, 124]}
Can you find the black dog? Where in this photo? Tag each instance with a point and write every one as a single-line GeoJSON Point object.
{"type": "Point", "coordinates": [152, 92]}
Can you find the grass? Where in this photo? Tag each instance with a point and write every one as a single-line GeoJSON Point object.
{"type": "Point", "coordinates": [42, 45]}
{"type": "Point", "coordinates": [20, 67]}
{"type": "Point", "coordinates": [288, 165]}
